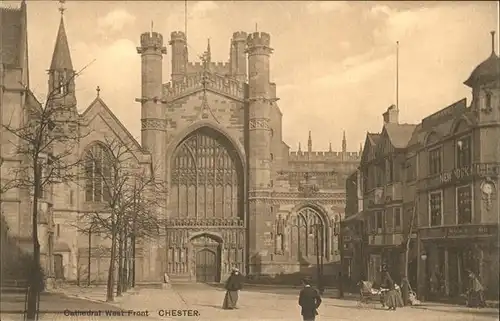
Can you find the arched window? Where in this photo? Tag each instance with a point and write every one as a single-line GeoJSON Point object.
{"type": "Point", "coordinates": [308, 234]}
{"type": "Point", "coordinates": [97, 174]}
{"type": "Point", "coordinates": [207, 177]}
{"type": "Point", "coordinates": [488, 100]}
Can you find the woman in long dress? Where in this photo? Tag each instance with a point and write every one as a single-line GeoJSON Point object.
{"type": "Point", "coordinates": [233, 284]}
{"type": "Point", "coordinates": [391, 296]}
{"type": "Point", "coordinates": [476, 292]}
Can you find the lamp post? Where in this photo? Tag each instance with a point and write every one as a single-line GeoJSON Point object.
{"type": "Point", "coordinates": [423, 257]}
{"type": "Point", "coordinates": [341, 251]}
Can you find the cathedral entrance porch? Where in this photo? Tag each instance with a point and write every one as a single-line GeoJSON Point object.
{"type": "Point", "coordinates": [207, 260]}
{"type": "Point", "coordinates": [204, 254]}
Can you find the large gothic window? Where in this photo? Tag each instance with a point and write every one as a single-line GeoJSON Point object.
{"type": "Point", "coordinates": [308, 234]}
{"type": "Point", "coordinates": [206, 177]}
{"type": "Point", "coordinates": [97, 174]}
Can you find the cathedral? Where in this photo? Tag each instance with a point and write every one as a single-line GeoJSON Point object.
{"type": "Point", "coordinates": [238, 196]}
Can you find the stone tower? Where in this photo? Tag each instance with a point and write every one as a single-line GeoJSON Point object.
{"type": "Point", "coordinates": [238, 59]}
{"type": "Point", "coordinates": [178, 43]}
{"type": "Point", "coordinates": [259, 149]}
{"type": "Point", "coordinates": [153, 120]}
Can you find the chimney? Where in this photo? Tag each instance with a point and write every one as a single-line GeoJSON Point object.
{"type": "Point", "coordinates": [391, 115]}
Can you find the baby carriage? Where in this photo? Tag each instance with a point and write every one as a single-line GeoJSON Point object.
{"type": "Point", "coordinates": [368, 294]}
{"type": "Point", "coordinates": [412, 296]}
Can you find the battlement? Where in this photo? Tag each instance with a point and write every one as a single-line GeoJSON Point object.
{"type": "Point", "coordinates": [177, 36]}
{"type": "Point", "coordinates": [193, 82]}
{"type": "Point", "coordinates": [151, 39]}
{"type": "Point", "coordinates": [324, 156]}
{"type": "Point", "coordinates": [240, 36]}
{"type": "Point", "coordinates": [221, 68]}
{"type": "Point", "coordinates": [259, 39]}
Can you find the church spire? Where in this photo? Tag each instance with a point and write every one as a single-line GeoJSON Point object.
{"type": "Point", "coordinates": [209, 51]}
{"type": "Point", "coordinates": [309, 143]}
{"type": "Point", "coordinates": [344, 143]}
{"type": "Point", "coordinates": [61, 73]}
{"type": "Point", "coordinates": [61, 58]}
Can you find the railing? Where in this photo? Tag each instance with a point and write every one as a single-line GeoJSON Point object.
{"type": "Point", "coordinates": [190, 222]}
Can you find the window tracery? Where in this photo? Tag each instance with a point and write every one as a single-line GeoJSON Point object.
{"type": "Point", "coordinates": [307, 228]}
{"type": "Point", "coordinates": [97, 174]}
{"type": "Point", "coordinates": [206, 180]}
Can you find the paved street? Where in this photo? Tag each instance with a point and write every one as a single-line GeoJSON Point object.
{"type": "Point", "coordinates": [53, 306]}
{"type": "Point", "coordinates": [253, 305]}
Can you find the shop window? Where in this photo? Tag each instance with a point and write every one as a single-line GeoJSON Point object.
{"type": "Point", "coordinates": [436, 208]}
{"type": "Point", "coordinates": [464, 204]}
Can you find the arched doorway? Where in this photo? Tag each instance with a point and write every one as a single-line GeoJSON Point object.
{"type": "Point", "coordinates": [207, 261]}
{"type": "Point", "coordinates": [207, 178]}
{"type": "Point", "coordinates": [308, 235]}
{"type": "Point", "coordinates": [58, 266]}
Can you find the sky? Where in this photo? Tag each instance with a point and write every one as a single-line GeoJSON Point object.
{"type": "Point", "coordinates": [334, 63]}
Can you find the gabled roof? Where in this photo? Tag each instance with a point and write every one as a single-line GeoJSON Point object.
{"type": "Point", "coordinates": [11, 23]}
{"type": "Point", "coordinates": [373, 138]}
{"type": "Point", "coordinates": [61, 58]}
{"type": "Point", "coordinates": [99, 103]}
{"type": "Point", "coordinates": [399, 134]}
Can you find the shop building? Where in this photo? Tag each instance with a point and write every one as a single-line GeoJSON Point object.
{"type": "Point", "coordinates": [457, 156]}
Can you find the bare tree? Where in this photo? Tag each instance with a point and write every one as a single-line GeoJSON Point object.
{"type": "Point", "coordinates": [43, 140]}
{"type": "Point", "coordinates": [113, 166]}
{"type": "Point", "coordinates": [411, 229]}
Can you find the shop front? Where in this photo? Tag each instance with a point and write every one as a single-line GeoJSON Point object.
{"type": "Point", "coordinates": [448, 254]}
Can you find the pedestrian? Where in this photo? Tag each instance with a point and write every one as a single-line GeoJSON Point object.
{"type": "Point", "coordinates": [309, 301]}
{"type": "Point", "coordinates": [390, 298]}
{"type": "Point", "coordinates": [233, 285]}
{"type": "Point", "coordinates": [476, 292]}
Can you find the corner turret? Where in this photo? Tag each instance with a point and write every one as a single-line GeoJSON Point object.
{"type": "Point", "coordinates": [178, 42]}
{"type": "Point", "coordinates": [259, 52]}
{"type": "Point", "coordinates": [485, 84]}
{"type": "Point", "coordinates": [259, 146]}
{"type": "Point", "coordinates": [237, 56]}
{"type": "Point", "coordinates": [152, 111]}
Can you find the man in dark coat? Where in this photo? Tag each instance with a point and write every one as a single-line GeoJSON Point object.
{"type": "Point", "coordinates": [309, 300]}
{"type": "Point", "coordinates": [233, 284]}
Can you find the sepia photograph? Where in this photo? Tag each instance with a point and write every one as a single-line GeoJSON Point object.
{"type": "Point", "coordinates": [249, 160]}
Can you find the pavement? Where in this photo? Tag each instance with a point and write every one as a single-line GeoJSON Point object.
{"type": "Point", "coordinates": [53, 306]}
{"type": "Point", "coordinates": [203, 302]}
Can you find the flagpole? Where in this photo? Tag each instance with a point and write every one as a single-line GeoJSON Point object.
{"type": "Point", "coordinates": [498, 27]}
{"type": "Point", "coordinates": [185, 18]}
{"type": "Point", "coordinates": [397, 75]}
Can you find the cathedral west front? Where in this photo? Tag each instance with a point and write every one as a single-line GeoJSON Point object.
{"type": "Point", "coordinates": [238, 196]}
